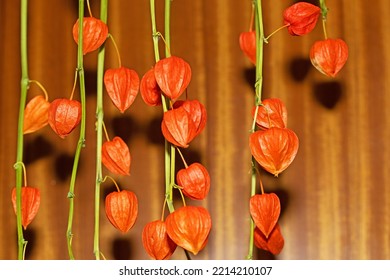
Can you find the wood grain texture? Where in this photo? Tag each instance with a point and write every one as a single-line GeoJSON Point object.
{"type": "Point", "coordinates": [335, 195]}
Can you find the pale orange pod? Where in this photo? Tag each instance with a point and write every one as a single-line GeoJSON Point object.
{"type": "Point", "coordinates": [30, 202]}
{"type": "Point", "coordinates": [197, 112]}
{"type": "Point", "coordinates": [156, 241]}
{"type": "Point", "coordinates": [265, 211]}
{"type": "Point", "coordinates": [64, 115]}
{"type": "Point", "coordinates": [194, 181]}
{"type": "Point", "coordinates": [116, 156]}
{"type": "Point", "coordinates": [301, 18]}
{"type": "Point", "coordinates": [247, 42]}
{"type": "Point", "coordinates": [274, 243]}
{"type": "Point", "coordinates": [150, 91]}
{"type": "Point", "coordinates": [35, 114]}
{"type": "Point", "coordinates": [95, 33]}
{"type": "Point", "coordinates": [271, 113]}
{"type": "Point", "coordinates": [189, 227]}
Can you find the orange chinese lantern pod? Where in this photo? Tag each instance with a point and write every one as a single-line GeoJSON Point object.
{"type": "Point", "coordinates": [95, 33]}
{"type": "Point", "coordinates": [301, 18]}
{"type": "Point", "coordinates": [31, 199]}
{"type": "Point", "coordinates": [122, 209]}
{"type": "Point", "coordinates": [64, 115]}
{"type": "Point", "coordinates": [274, 149]}
{"type": "Point", "coordinates": [271, 113]}
{"type": "Point", "coordinates": [329, 56]}
{"type": "Point", "coordinates": [248, 45]}
{"type": "Point", "coordinates": [274, 243]}
{"type": "Point", "coordinates": [189, 227]}
{"type": "Point", "coordinates": [194, 180]}
{"type": "Point", "coordinates": [122, 85]}
{"type": "Point", "coordinates": [35, 114]}
{"type": "Point", "coordinates": [156, 241]}
{"type": "Point", "coordinates": [116, 156]}
{"type": "Point", "coordinates": [173, 75]}
{"type": "Point", "coordinates": [197, 112]}
{"type": "Point", "coordinates": [178, 127]}
{"type": "Point", "coordinates": [150, 91]}
{"type": "Point", "coordinates": [265, 211]}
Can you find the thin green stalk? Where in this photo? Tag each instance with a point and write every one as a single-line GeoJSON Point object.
{"type": "Point", "coordinates": [19, 152]}
{"type": "Point", "coordinates": [258, 93]}
{"type": "Point", "coordinates": [81, 141]}
{"type": "Point", "coordinates": [99, 133]}
{"type": "Point", "coordinates": [324, 13]}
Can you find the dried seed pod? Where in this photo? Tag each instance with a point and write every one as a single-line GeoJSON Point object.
{"type": "Point", "coordinates": [265, 211]}
{"type": "Point", "coordinates": [329, 56]}
{"type": "Point", "coordinates": [301, 18]}
{"type": "Point", "coordinates": [122, 85]}
{"type": "Point", "coordinates": [116, 156]}
{"type": "Point", "coordinates": [35, 114]}
{"type": "Point", "coordinates": [64, 115]}
{"type": "Point", "coordinates": [194, 180]}
{"type": "Point", "coordinates": [150, 91]}
{"type": "Point", "coordinates": [248, 45]}
{"type": "Point", "coordinates": [122, 209]}
{"type": "Point", "coordinates": [274, 149]}
{"type": "Point", "coordinates": [189, 227]}
{"type": "Point", "coordinates": [156, 241]}
{"type": "Point", "coordinates": [274, 243]}
{"type": "Point", "coordinates": [197, 112]}
{"type": "Point", "coordinates": [173, 75]}
{"type": "Point", "coordinates": [271, 113]}
{"type": "Point", "coordinates": [95, 33]}
{"type": "Point", "coordinates": [31, 199]}
{"type": "Point", "coordinates": [178, 127]}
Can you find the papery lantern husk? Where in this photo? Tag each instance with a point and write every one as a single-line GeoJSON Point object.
{"type": "Point", "coordinates": [116, 156]}
{"type": "Point", "coordinates": [329, 56]}
{"type": "Point", "coordinates": [265, 211]}
{"type": "Point", "coordinates": [178, 127]}
{"type": "Point", "coordinates": [122, 85]}
{"type": "Point", "coordinates": [271, 113]}
{"type": "Point", "coordinates": [95, 33]}
{"type": "Point", "coordinates": [173, 75]}
{"type": "Point", "coordinates": [274, 243]}
{"type": "Point", "coordinates": [35, 114]}
{"type": "Point", "coordinates": [274, 149]}
{"type": "Point", "coordinates": [30, 201]}
{"type": "Point", "coordinates": [194, 180]}
{"type": "Point", "coordinates": [301, 18]}
{"type": "Point", "coordinates": [189, 227]}
{"type": "Point", "coordinates": [64, 115]}
{"type": "Point", "coordinates": [122, 209]}
{"type": "Point", "coordinates": [197, 112]}
{"type": "Point", "coordinates": [150, 91]}
{"type": "Point", "coordinates": [156, 241]}
{"type": "Point", "coordinates": [247, 42]}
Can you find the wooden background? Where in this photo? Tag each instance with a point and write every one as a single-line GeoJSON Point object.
{"type": "Point", "coordinates": [336, 194]}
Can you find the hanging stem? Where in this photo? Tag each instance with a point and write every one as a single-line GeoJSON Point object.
{"type": "Point", "coordinates": [116, 50]}
{"type": "Point", "coordinates": [324, 13]}
{"type": "Point", "coordinates": [81, 141]}
{"type": "Point", "coordinates": [99, 131]}
{"type": "Point", "coordinates": [258, 92]}
{"type": "Point", "coordinates": [41, 87]}
{"type": "Point", "coordinates": [19, 150]}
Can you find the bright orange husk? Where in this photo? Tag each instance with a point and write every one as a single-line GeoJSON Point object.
{"type": "Point", "coordinates": [31, 199]}
{"type": "Point", "coordinates": [197, 112]}
{"type": "Point", "coordinates": [274, 149]}
{"type": "Point", "coordinates": [271, 113]}
{"type": "Point", "coordinates": [64, 115]}
{"type": "Point", "coordinates": [178, 127]}
{"type": "Point", "coordinates": [116, 156]}
{"type": "Point", "coordinates": [95, 33]}
{"type": "Point", "coordinates": [329, 56]}
{"type": "Point", "coordinates": [248, 45]}
{"type": "Point", "coordinates": [156, 241]}
{"type": "Point", "coordinates": [274, 243]}
{"type": "Point", "coordinates": [150, 91]}
{"type": "Point", "coordinates": [173, 75]}
{"type": "Point", "coordinates": [189, 227]}
{"type": "Point", "coordinates": [122, 85]}
{"type": "Point", "coordinates": [194, 180]}
{"type": "Point", "coordinates": [35, 114]}
{"type": "Point", "coordinates": [122, 209]}
{"type": "Point", "coordinates": [265, 211]}
{"type": "Point", "coordinates": [301, 18]}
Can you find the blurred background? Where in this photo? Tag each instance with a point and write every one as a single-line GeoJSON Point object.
{"type": "Point", "coordinates": [335, 196]}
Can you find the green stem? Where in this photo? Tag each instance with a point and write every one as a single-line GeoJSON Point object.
{"type": "Point", "coordinates": [324, 13]}
{"type": "Point", "coordinates": [19, 152]}
{"type": "Point", "coordinates": [99, 133]}
{"type": "Point", "coordinates": [258, 100]}
{"type": "Point", "coordinates": [81, 141]}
